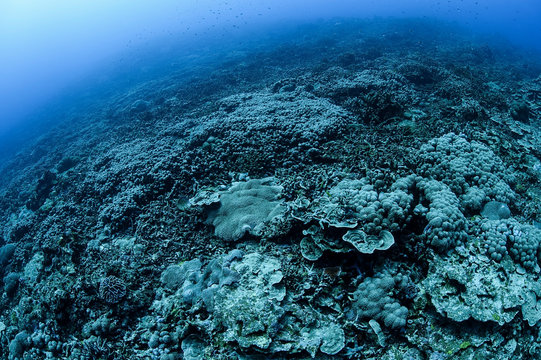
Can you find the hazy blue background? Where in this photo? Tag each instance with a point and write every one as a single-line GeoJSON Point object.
{"type": "Point", "coordinates": [47, 45]}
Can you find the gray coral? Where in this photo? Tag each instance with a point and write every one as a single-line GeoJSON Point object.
{"type": "Point", "coordinates": [467, 167]}
{"type": "Point", "coordinates": [374, 299]}
{"type": "Point", "coordinates": [246, 207]}
{"type": "Point", "coordinates": [446, 226]}
{"type": "Point", "coordinates": [503, 238]}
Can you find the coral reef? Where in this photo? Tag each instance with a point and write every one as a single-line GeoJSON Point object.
{"type": "Point", "coordinates": [373, 300]}
{"type": "Point", "coordinates": [245, 208]}
{"type": "Point", "coordinates": [340, 196]}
